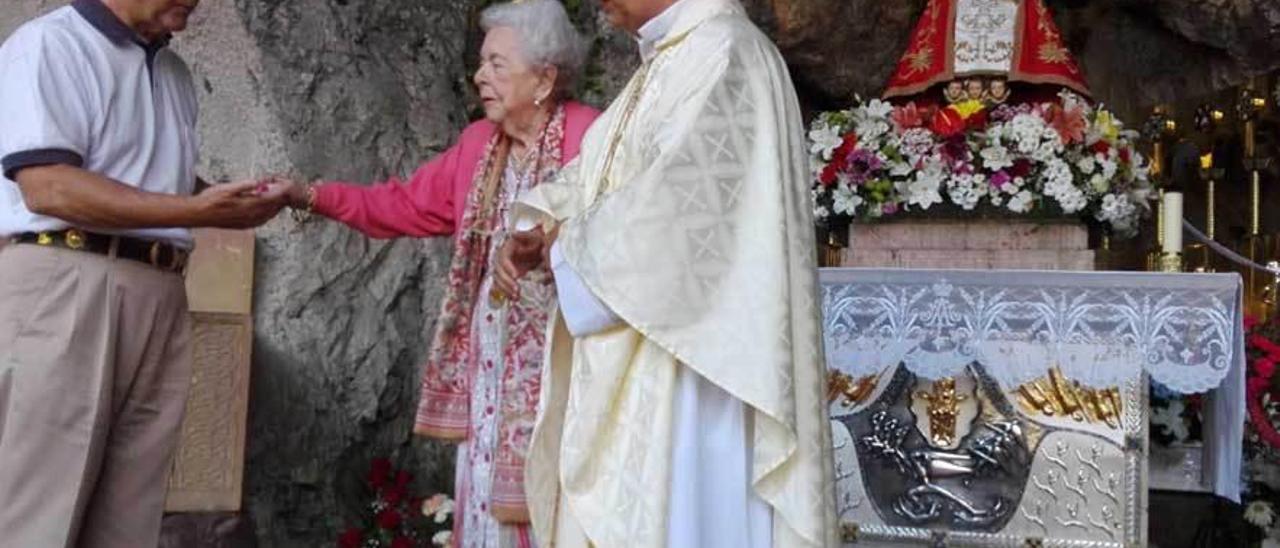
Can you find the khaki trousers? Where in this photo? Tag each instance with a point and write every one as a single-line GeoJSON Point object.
{"type": "Point", "coordinates": [95, 365]}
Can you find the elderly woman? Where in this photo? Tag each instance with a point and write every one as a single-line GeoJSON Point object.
{"type": "Point", "coordinates": [481, 380]}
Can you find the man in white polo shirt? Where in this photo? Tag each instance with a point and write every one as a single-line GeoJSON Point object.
{"type": "Point", "coordinates": [98, 146]}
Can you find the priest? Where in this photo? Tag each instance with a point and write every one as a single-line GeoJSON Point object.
{"type": "Point", "coordinates": [683, 397]}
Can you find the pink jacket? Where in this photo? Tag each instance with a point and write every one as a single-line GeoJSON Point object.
{"type": "Point", "coordinates": [432, 201]}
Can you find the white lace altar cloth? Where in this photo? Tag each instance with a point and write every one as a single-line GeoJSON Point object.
{"type": "Point", "coordinates": [1100, 328]}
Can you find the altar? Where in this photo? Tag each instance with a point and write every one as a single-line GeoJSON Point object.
{"type": "Point", "coordinates": [1009, 408]}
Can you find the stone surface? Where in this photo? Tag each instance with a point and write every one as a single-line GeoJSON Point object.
{"type": "Point", "coordinates": [982, 245]}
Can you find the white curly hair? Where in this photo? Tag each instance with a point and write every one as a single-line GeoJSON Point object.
{"type": "Point", "coordinates": [547, 37]}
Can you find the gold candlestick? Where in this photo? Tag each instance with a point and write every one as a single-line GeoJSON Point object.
{"type": "Point", "coordinates": [1158, 127]}
{"type": "Point", "coordinates": [1248, 106]}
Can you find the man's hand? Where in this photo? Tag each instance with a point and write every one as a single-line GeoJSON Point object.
{"type": "Point", "coordinates": [245, 204]}
{"type": "Point", "coordinates": [522, 252]}
{"type": "Point", "coordinates": [89, 199]}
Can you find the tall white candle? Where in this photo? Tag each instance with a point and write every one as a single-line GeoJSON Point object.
{"type": "Point", "coordinates": [1172, 228]}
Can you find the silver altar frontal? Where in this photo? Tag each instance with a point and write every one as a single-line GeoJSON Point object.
{"type": "Point", "coordinates": [1009, 408]}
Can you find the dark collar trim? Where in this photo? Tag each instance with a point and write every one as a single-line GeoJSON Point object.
{"type": "Point", "coordinates": [101, 17]}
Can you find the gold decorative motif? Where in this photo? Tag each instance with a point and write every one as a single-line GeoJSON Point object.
{"type": "Point", "coordinates": [75, 239]}
{"type": "Point", "coordinates": [854, 392]}
{"type": "Point", "coordinates": [1056, 396]}
{"type": "Point", "coordinates": [944, 406]}
{"type": "Point", "coordinates": [44, 238]}
{"type": "Point", "coordinates": [919, 60]}
{"type": "Point", "coordinates": [920, 55]}
{"type": "Point", "coordinates": [849, 533]}
{"type": "Point", "coordinates": [1053, 52]}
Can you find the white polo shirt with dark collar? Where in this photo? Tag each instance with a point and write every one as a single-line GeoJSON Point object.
{"type": "Point", "coordinates": [79, 87]}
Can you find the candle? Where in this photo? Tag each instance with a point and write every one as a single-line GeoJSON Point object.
{"type": "Point", "coordinates": [1172, 228]}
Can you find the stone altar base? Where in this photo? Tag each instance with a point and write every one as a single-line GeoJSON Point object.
{"type": "Point", "coordinates": [970, 244]}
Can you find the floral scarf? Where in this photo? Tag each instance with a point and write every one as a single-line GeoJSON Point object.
{"type": "Point", "coordinates": [444, 408]}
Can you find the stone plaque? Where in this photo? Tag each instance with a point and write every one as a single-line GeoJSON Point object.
{"type": "Point", "coordinates": [978, 244]}
{"type": "Point", "coordinates": [208, 467]}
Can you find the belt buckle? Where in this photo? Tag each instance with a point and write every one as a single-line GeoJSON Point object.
{"type": "Point", "coordinates": [74, 239]}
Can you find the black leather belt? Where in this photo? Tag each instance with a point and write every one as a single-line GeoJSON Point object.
{"type": "Point", "coordinates": [157, 254]}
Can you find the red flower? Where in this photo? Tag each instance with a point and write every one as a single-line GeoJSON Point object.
{"type": "Point", "coordinates": [403, 478]}
{"type": "Point", "coordinates": [389, 519]}
{"type": "Point", "coordinates": [1264, 344]}
{"type": "Point", "coordinates": [840, 156]}
{"type": "Point", "coordinates": [828, 175]}
{"type": "Point", "coordinates": [1021, 168]}
{"type": "Point", "coordinates": [977, 121]}
{"type": "Point", "coordinates": [1250, 322]}
{"type": "Point", "coordinates": [378, 472]}
{"type": "Point", "coordinates": [401, 542]}
{"type": "Point", "coordinates": [1264, 367]}
{"type": "Point", "coordinates": [351, 538]}
{"type": "Point", "coordinates": [947, 123]}
{"type": "Point", "coordinates": [1255, 386]}
{"type": "Point", "coordinates": [1100, 147]}
{"type": "Point", "coordinates": [907, 117]}
{"type": "Point", "coordinates": [393, 496]}
{"type": "Point", "coordinates": [1126, 155]}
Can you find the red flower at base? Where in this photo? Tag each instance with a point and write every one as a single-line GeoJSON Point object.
{"type": "Point", "coordinates": [977, 121]}
{"type": "Point", "coordinates": [1265, 368]}
{"type": "Point", "coordinates": [388, 519]}
{"type": "Point", "coordinates": [947, 123]}
{"type": "Point", "coordinates": [401, 542]}
{"type": "Point", "coordinates": [351, 538]}
{"type": "Point", "coordinates": [402, 479]}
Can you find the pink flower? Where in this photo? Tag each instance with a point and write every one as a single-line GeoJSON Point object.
{"type": "Point", "coordinates": [999, 179]}
{"type": "Point", "coordinates": [1069, 123]}
{"type": "Point", "coordinates": [907, 117]}
{"type": "Point", "coordinates": [889, 208]}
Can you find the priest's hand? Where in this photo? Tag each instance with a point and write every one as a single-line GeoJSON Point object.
{"type": "Point", "coordinates": [522, 252]}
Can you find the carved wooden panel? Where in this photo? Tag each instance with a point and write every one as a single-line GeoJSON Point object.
{"type": "Point", "coordinates": [208, 467]}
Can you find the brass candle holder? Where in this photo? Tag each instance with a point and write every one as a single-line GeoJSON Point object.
{"type": "Point", "coordinates": [1249, 105]}
{"type": "Point", "coordinates": [1159, 128]}
{"type": "Point", "coordinates": [1170, 262]}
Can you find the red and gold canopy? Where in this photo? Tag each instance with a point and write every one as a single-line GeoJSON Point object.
{"type": "Point", "coordinates": [1013, 39]}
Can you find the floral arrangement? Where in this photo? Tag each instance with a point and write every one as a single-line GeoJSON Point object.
{"type": "Point", "coordinates": [395, 519]}
{"type": "Point", "coordinates": [1262, 442]}
{"type": "Point", "coordinates": [1175, 418]}
{"type": "Point", "coordinates": [1065, 157]}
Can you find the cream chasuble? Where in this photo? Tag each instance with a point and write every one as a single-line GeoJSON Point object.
{"type": "Point", "coordinates": [688, 215]}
